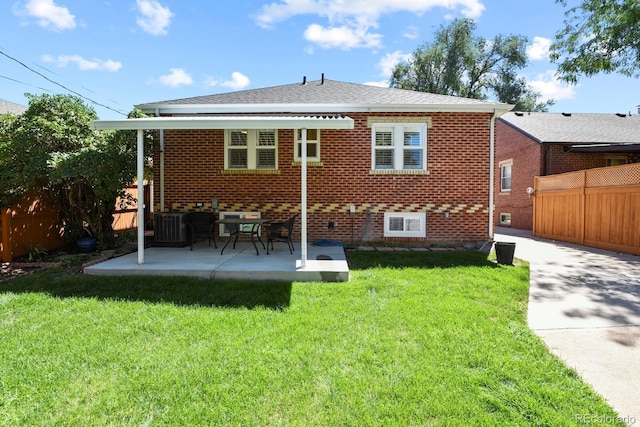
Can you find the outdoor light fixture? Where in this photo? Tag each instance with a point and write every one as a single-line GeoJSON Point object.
{"type": "Point", "coordinates": [214, 204]}
{"type": "Point", "coordinates": [530, 191]}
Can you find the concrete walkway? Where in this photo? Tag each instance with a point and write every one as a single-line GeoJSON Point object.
{"type": "Point", "coordinates": [585, 304]}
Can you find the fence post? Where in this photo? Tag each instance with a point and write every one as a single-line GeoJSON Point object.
{"type": "Point", "coordinates": [534, 215]}
{"type": "Point", "coordinates": [7, 243]}
{"type": "Point", "coordinates": [583, 203]}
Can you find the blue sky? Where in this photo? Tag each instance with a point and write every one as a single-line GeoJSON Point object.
{"type": "Point", "coordinates": [118, 53]}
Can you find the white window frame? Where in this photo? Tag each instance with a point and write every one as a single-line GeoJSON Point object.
{"type": "Point", "coordinates": [397, 146]}
{"type": "Point", "coordinates": [298, 142]}
{"type": "Point", "coordinates": [616, 160]}
{"type": "Point", "coordinates": [504, 164]}
{"type": "Point", "coordinates": [505, 218]}
{"type": "Point", "coordinates": [408, 218]}
{"type": "Point", "coordinates": [252, 148]}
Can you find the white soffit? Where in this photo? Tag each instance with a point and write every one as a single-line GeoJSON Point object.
{"type": "Point", "coordinates": [325, 121]}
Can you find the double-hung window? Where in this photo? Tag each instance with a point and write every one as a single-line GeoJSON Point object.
{"type": "Point", "coordinates": [401, 146]}
{"type": "Point", "coordinates": [251, 149]}
{"type": "Point", "coordinates": [313, 145]}
{"type": "Point", "coordinates": [505, 176]}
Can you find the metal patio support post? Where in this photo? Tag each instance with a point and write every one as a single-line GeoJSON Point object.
{"type": "Point", "coordinates": [140, 168]}
{"type": "Point", "coordinates": [303, 201]}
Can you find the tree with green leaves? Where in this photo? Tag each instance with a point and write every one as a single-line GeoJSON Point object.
{"type": "Point", "coordinates": [459, 63]}
{"type": "Point", "coordinates": [599, 36]}
{"type": "Point", "coordinates": [52, 152]}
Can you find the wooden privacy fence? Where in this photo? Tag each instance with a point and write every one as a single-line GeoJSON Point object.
{"type": "Point", "coordinates": [35, 224]}
{"type": "Point", "coordinates": [30, 224]}
{"type": "Point", "coordinates": [594, 207]}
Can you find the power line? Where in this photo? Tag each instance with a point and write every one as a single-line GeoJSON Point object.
{"type": "Point", "coordinates": [26, 84]}
{"type": "Point", "coordinates": [59, 84]}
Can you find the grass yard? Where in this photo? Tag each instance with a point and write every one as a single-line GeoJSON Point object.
{"type": "Point", "coordinates": [414, 339]}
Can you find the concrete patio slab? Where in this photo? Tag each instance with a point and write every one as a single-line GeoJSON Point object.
{"type": "Point", "coordinates": [326, 263]}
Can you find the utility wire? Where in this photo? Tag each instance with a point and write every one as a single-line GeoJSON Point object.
{"type": "Point", "coordinates": [23, 83]}
{"type": "Point", "coordinates": [59, 84]}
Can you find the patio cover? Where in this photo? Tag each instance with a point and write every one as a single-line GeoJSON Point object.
{"type": "Point", "coordinates": [258, 121]}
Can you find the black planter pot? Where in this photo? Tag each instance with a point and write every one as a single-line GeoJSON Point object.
{"type": "Point", "coordinates": [87, 245]}
{"type": "Point", "coordinates": [504, 252]}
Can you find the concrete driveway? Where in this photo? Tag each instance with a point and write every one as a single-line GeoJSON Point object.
{"type": "Point", "coordinates": [585, 304]}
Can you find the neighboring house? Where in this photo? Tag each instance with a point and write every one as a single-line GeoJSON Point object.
{"type": "Point", "coordinates": [10, 107]}
{"type": "Point", "coordinates": [540, 144]}
{"type": "Point", "coordinates": [382, 164]}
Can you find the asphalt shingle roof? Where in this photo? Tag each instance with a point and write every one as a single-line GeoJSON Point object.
{"type": "Point", "coordinates": [10, 107]}
{"type": "Point", "coordinates": [577, 128]}
{"type": "Point", "coordinates": [329, 92]}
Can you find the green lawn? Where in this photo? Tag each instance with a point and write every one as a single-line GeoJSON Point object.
{"type": "Point", "coordinates": [413, 339]}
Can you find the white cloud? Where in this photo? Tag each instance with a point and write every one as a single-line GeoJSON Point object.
{"type": "Point", "coordinates": [411, 32]}
{"type": "Point", "coordinates": [238, 81]}
{"type": "Point", "coordinates": [48, 14]}
{"type": "Point", "coordinates": [549, 87]}
{"type": "Point", "coordinates": [84, 64]}
{"type": "Point", "coordinates": [343, 37]}
{"type": "Point", "coordinates": [335, 10]}
{"type": "Point", "coordinates": [176, 77]}
{"type": "Point", "coordinates": [390, 60]}
{"type": "Point", "coordinates": [154, 18]}
{"type": "Point", "coordinates": [211, 81]}
{"type": "Point", "coordinates": [383, 83]}
{"type": "Point", "coordinates": [539, 49]}
{"type": "Point", "coordinates": [350, 22]}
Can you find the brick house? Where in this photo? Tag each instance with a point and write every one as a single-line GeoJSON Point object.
{"type": "Point", "coordinates": [383, 164]}
{"type": "Point", "coordinates": [540, 144]}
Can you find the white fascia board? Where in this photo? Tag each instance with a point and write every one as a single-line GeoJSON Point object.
{"type": "Point", "coordinates": [322, 108]}
{"type": "Point", "coordinates": [227, 122]}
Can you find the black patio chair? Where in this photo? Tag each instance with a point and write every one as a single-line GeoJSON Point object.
{"type": "Point", "coordinates": [201, 223]}
{"type": "Point", "coordinates": [281, 232]}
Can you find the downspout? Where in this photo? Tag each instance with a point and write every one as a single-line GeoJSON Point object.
{"type": "Point", "coordinates": [492, 152]}
{"type": "Point", "coordinates": [161, 165]}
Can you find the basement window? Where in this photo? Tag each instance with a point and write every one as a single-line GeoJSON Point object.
{"type": "Point", "coordinates": [405, 224]}
{"type": "Point", "coordinates": [505, 218]}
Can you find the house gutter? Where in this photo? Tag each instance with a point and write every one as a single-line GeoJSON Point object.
{"type": "Point", "coordinates": [313, 108]}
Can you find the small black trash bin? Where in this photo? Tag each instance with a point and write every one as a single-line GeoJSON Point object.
{"type": "Point", "coordinates": [504, 252]}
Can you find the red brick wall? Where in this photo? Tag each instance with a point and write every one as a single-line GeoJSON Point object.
{"type": "Point", "coordinates": [457, 159]}
{"type": "Point", "coordinates": [529, 161]}
{"type": "Point", "coordinates": [560, 162]}
{"type": "Point", "coordinates": [527, 156]}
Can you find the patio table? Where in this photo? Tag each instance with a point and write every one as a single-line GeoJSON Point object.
{"type": "Point", "coordinates": [237, 230]}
